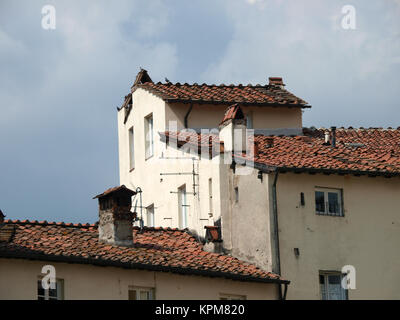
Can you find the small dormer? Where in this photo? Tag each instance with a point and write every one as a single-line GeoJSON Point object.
{"type": "Point", "coordinates": [232, 130]}
{"type": "Point", "coordinates": [115, 216]}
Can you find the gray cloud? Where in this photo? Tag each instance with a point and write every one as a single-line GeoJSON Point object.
{"type": "Point", "coordinates": [59, 88]}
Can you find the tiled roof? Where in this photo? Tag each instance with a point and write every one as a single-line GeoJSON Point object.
{"type": "Point", "coordinates": [365, 151]}
{"type": "Point", "coordinates": [370, 151]}
{"type": "Point", "coordinates": [157, 249]}
{"type": "Point", "coordinates": [262, 95]}
{"type": "Point", "coordinates": [232, 112]}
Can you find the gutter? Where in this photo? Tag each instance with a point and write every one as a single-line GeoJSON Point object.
{"type": "Point", "coordinates": [276, 233]}
{"type": "Point", "coordinates": [137, 266]}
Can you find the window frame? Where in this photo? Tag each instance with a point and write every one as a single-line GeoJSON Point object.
{"type": "Point", "coordinates": [138, 290]}
{"type": "Point", "coordinates": [131, 149]}
{"type": "Point", "coordinates": [326, 275]}
{"type": "Point", "coordinates": [59, 290]}
{"type": "Point", "coordinates": [149, 136]}
{"type": "Point", "coordinates": [183, 207]}
{"type": "Point", "coordinates": [326, 191]}
{"type": "Point", "coordinates": [151, 214]}
{"type": "Point", "coordinates": [230, 296]}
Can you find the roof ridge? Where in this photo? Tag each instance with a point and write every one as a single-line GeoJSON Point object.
{"type": "Point", "coordinates": [210, 85]}
{"type": "Point", "coordinates": [159, 229]}
{"type": "Point", "coordinates": [53, 223]}
{"type": "Point", "coordinates": [353, 128]}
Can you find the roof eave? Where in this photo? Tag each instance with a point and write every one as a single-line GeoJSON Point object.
{"type": "Point", "coordinates": [138, 266]}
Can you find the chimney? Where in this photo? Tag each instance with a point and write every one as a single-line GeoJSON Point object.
{"type": "Point", "coordinates": [232, 130]}
{"type": "Point", "coordinates": [2, 216]}
{"type": "Point", "coordinates": [115, 216]}
{"type": "Point", "coordinates": [333, 137]}
{"type": "Point", "coordinates": [276, 81]}
{"type": "Point", "coordinates": [269, 142]}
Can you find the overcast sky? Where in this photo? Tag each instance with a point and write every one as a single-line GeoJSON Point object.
{"type": "Point", "coordinates": [59, 88]}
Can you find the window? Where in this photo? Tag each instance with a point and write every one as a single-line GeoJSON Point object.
{"type": "Point", "coordinates": [237, 194]}
{"type": "Point", "coordinates": [150, 215]}
{"type": "Point", "coordinates": [141, 294]}
{"type": "Point", "coordinates": [328, 202]}
{"type": "Point", "coordinates": [249, 120]}
{"type": "Point", "coordinates": [210, 198]}
{"type": "Point", "coordinates": [131, 150]}
{"type": "Point", "coordinates": [148, 131]}
{"type": "Point", "coordinates": [331, 286]}
{"type": "Point", "coordinates": [50, 294]}
{"type": "Point", "coordinates": [224, 296]}
{"type": "Point", "coordinates": [182, 207]}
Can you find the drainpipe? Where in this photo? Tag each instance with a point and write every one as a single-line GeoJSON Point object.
{"type": "Point", "coordinates": [187, 114]}
{"type": "Point", "coordinates": [275, 215]}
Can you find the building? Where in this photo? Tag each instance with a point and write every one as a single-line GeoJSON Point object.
{"type": "Point", "coordinates": [114, 260]}
{"type": "Point", "coordinates": [300, 202]}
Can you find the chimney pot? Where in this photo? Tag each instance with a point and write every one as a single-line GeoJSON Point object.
{"type": "Point", "coordinates": [269, 142]}
{"type": "Point", "coordinates": [333, 138]}
{"type": "Point", "coordinates": [276, 81]}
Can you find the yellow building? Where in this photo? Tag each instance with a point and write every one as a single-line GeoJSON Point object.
{"type": "Point", "coordinates": [114, 260]}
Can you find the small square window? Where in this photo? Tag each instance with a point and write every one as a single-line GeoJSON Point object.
{"type": "Point", "coordinates": [50, 294]}
{"type": "Point", "coordinates": [135, 293]}
{"type": "Point", "coordinates": [328, 202]}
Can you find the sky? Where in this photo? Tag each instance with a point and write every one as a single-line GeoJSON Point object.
{"type": "Point", "coordinates": [59, 88]}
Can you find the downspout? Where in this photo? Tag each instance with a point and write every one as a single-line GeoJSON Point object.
{"type": "Point", "coordinates": [187, 114]}
{"type": "Point", "coordinates": [275, 215]}
{"type": "Point", "coordinates": [282, 296]}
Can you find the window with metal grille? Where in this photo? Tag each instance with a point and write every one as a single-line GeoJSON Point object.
{"type": "Point", "coordinates": [331, 286]}
{"type": "Point", "coordinates": [329, 202]}
{"type": "Point", "coordinates": [50, 294]}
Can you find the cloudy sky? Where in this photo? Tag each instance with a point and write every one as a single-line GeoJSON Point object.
{"type": "Point", "coordinates": [59, 88]}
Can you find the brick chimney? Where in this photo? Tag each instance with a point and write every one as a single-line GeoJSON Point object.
{"type": "Point", "coordinates": [276, 81]}
{"type": "Point", "coordinates": [2, 216]}
{"type": "Point", "coordinates": [115, 216]}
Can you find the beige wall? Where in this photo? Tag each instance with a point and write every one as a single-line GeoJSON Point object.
{"type": "Point", "coordinates": [367, 237]}
{"type": "Point", "coordinates": [18, 280]}
{"type": "Point", "coordinates": [210, 116]}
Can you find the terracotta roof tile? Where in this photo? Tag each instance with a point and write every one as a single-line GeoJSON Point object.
{"type": "Point", "coordinates": [154, 249]}
{"type": "Point", "coordinates": [268, 95]}
{"type": "Point", "coordinates": [372, 151]}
